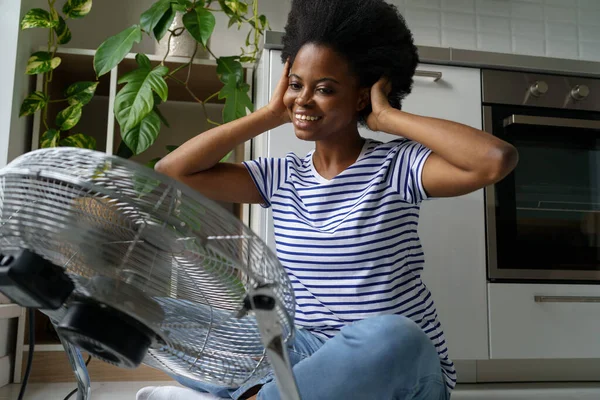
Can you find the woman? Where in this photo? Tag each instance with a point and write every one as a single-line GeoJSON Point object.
{"type": "Point", "coordinates": [346, 214]}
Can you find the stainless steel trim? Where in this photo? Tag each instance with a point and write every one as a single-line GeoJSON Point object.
{"type": "Point", "coordinates": [566, 299]}
{"type": "Point", "coordinates": [551, 121]}
{"type": "Point", "coordinates": [436, 75]}
{"type": "Point", "coordinates": [490, 208]}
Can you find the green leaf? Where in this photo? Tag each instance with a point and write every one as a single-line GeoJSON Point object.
{"type": "Point", "coordinates": [236, 100]}
{"type": "Point", "coordinates": [188, 3]}
{"type": "Point", "coordinates": [50, 139]}
{"type": "Point", "coordinates": [63, 32]}
{"type": "Point", "coordinates": [226, 157]}
{"type": "Point", "coordinates": [124, 151]}
{"type": "Point", "coordinates": [228, 67]}
{"type": "Point", "coordinates": [161, 28]}
{"type": "Point", "coordinates": [144, 185]}
{"type": "Point", "coordinates": [80, 140]}
{"type": "Point", "coordinates": [69, 117]}
{"type": "Point", "coordinates": [237, 6]}
{"type": "Point", "coordinates": [157, 101]}
{"type": "Point", "coordinates": [37, 18]}
{"type": "Point", "coordinates": [40, 62]}
{"type": "Point", "coordinates": [151, 17]}
{"type": "Point", "coordinates": [171, 148]}
{"type": "Point", "coordinates": [135, 101]}
{"type": "Point", "coordinates": [77, 8]}
{"type": "Point", "coordinates": [200, 23]}
{"type": "Point", "coordinates": [142, 136]}
{"type": "Point", "coordinates": [225, 8]}
{"type": "Point", "coordinates": [142, 61]}
{"type": "Point", "coordinates": [153, 162]}
{"type": "Point", "coordinates": [263, 21]}
{"type": "Point", "coordinates": [35, 101]}
{"type": "Point", "coordinates": [81, 92]}
{"type": "Point", "coordinates": [161, 116]}
{"type": "Point", "coordinates": [112, 51]}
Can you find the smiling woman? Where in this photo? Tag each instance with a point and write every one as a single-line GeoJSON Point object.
{"type": "Point", "coordinates": [346, 214]}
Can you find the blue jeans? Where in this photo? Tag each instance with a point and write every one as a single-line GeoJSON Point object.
{"type": "Point", "coordinates": [387, 357]}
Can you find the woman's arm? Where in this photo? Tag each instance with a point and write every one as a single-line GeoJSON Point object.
{"type": "Point", "coordinates": [463, 159]}
{"type": "Point", "coordinates": [197, 162]}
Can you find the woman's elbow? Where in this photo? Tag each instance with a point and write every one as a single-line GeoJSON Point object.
{"type": "Point", "coordinates": [503, 160]}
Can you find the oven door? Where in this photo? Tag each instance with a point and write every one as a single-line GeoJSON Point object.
{"type": "Point", "coordinates": [543, 220]}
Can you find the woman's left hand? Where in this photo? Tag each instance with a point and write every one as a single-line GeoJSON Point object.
{"type": "Point", "coordinates": [380, 103]}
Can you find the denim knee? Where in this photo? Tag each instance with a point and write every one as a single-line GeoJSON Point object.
{"type": "Point", "coordinates": [396, 340]}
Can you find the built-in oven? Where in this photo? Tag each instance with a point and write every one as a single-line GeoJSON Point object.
{"type": "Point", "coordinates": [543, 220]}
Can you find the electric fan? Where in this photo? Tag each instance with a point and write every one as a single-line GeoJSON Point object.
{"type": "Point", "coordinates": [134, 267]}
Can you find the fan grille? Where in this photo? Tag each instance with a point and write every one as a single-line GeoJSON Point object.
{"type": "Point", "coordinates": [103, 216]}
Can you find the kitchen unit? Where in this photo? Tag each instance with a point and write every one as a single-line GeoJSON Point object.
{"type": "Point", "coordinates": [496, 311]}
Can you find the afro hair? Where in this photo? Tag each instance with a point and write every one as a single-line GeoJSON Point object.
{"type": "Point", "coordinates": [370, 34]}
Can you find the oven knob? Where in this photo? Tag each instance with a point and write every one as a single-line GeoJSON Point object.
{"type": "Point", "coordinates": [539, 88]}
{"type": "Point", "coordinates": [580, 92]}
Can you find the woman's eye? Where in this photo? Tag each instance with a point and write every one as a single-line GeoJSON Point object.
{"type": "Point", "coordinates": [294, 86]}
{"type": "Point", "coordinates": [325, 90]}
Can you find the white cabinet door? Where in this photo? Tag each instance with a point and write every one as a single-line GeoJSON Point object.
{"type": "Point", "coordinates": [452, 230]}
{"type": "Point", "coordinates": [544, 321]}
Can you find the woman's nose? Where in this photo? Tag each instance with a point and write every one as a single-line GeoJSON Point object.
{"type": "Point", "coordinates": [303, 98]}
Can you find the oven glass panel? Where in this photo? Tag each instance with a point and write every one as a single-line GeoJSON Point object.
{"type": "Point", "coordinates": [548, 209]}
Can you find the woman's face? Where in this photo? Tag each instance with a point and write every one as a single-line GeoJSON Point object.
{"type": "Point", "coordinates": [323, 97]}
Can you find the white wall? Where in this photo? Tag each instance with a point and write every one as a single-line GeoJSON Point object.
{"type": "Point", "coordinates": [9, 31]}
{"type": "Point", "coordinates": [556, 28]}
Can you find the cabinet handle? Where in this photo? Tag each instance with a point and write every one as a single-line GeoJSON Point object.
{"type": "Point", "coordinates": [551, 121]}
{"type": "Point", "coordinates": [436, 75]}
{"type": "Point", "coordinates": [567, 299]}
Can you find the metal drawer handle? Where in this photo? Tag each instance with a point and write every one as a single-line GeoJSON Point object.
{"type": "Point", "coordinates": [551, 121]}
{"type": "Point", "coordinates": [567, 299]}
{"type": "Point", "coordinates": [436, 75]}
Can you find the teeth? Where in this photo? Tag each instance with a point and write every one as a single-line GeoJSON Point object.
{"type": "Point", "coordinates": [307, 117]}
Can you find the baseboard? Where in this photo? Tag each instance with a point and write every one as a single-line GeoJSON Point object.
{"type": "Point", "coordinates": [53, 366]}
{"type": "Point", "coordinates": [551, 370]}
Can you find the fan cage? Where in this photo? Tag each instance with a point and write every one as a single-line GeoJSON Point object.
{"type": "Point", "coordinates": [176, 261]}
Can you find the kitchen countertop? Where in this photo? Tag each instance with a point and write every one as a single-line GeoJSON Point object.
{"type": "Point", "coordinates": [485, 59]}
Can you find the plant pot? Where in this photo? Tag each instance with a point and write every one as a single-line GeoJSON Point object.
{"type": "Point", "coordinates": [182, 45]}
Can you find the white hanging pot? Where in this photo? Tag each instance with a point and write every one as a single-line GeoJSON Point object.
{"type": "Point", "coordinates": [182, 45]}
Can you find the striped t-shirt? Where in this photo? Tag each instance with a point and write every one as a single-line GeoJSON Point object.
{"type": "Point", "coordinates": [350, 244]}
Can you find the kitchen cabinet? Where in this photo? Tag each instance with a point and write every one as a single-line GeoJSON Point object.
{"type": "Point", "coordinates": [544, 321]}
{"type": "Point", "coordinates": [452, 230]}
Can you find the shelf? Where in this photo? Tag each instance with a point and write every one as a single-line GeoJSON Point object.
{"type": "Point", "coordinates": [78, 64]}
{"type": "Point", "coordinates": [10, 311]}
{"type": "Point", "coordinates": [45, 347]}
{"type": "Point", "coordinates": [152, 57]}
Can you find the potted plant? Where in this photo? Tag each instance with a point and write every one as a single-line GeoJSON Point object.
{"type": "Point", "coordinates": [76, 96]}
{"type": "Point", "coordinates": [145, 88]}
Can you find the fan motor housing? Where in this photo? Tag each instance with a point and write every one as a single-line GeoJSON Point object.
{"type": "Point", "coordinates": [106, 333]}
{"type": "Point", "coordinates": [32, 281]}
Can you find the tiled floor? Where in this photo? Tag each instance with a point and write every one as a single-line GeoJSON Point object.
{"type": "Point", "coordinates": [127, 391]}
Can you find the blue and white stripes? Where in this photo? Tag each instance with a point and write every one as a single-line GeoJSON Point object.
{"type": "Point", "coordinates": [350, 244]}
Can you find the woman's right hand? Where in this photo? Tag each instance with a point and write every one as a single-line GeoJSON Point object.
{"type": "Point", "coordinates": [276, 106]}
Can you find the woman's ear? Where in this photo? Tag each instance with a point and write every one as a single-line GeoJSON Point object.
{"type": "Point", "coordinates": [364, 98]}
